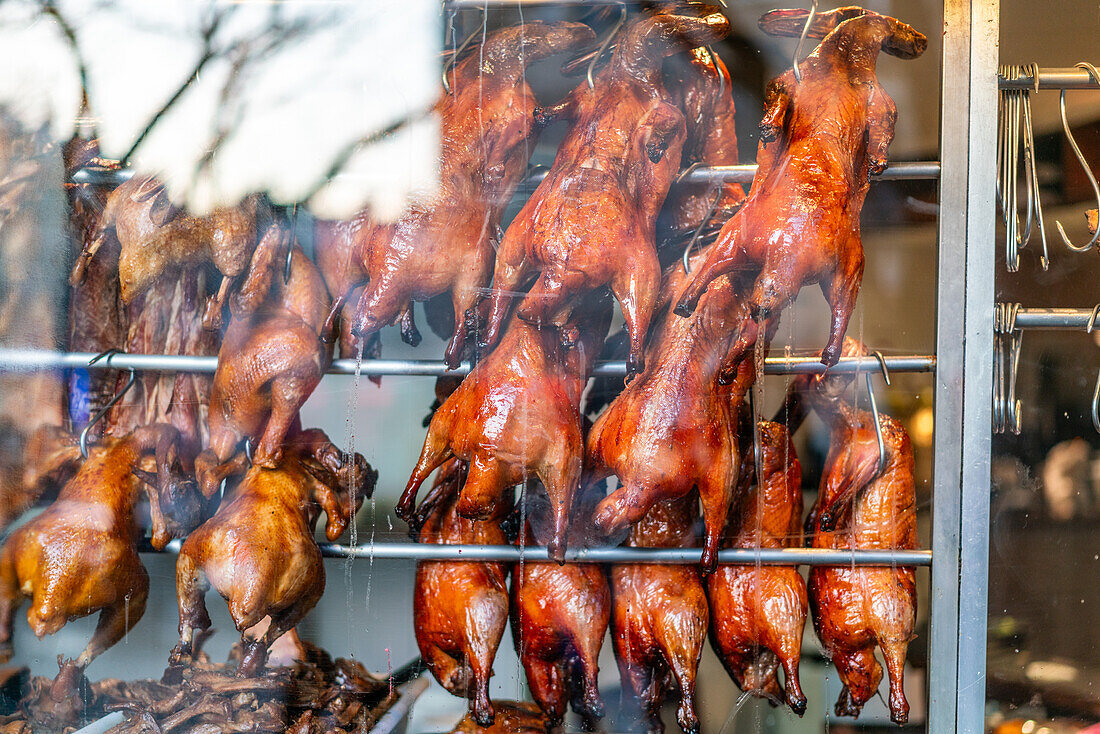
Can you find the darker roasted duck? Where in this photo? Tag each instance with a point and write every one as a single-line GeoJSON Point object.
{"type": "Point", "coordinates": [673, 429]}
{"type": "Point", "coordinates": [821, 140]}
{"type": "Point", "coordinates": [460, 608]}
{"type": "Point", "coordinates": [518, 415]}
{"type": "Point", "coordinates": [856, 608]}
{"type": "Point", "coordinates": [447, 241]}
{"type": "Point", "coordinates": [559, 618]}
{"type": "Point", "coordinates": [258, 550]}
{"type": "Point", "coordinates": [80, 555]}
{"type": "Point", "coordinates": [591, 222]}
{"type": "Point", "coordinates": [659, 616]}
{"type": "Point", "coordinates": [270, 361]}
{"type": "Point", "coordinates": [758, 612]}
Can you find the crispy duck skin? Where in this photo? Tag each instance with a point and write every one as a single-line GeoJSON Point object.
{"type": "Point", "coordinates": [270, 361]}
{"type": "Point", "coordinates": [560, 615]}
{"type": "Point", "coordinates": [447, 242]}
{"type": "Point", "coordinates": [659, 616]}
{"type": "Point", "coordinates": [513, 717]}
{"type": "Point", "coordinates": [258, 550]}
{"type": "Point", "coordinates": [591, 222]}
{"type": "Point", "coordinates": [758, 612]}
{"type": "Point", "coordinates": [821, 140]}
{"type": "Point", "coordinates": [156, 237]}
{"type": "Point", "coordinates": [516, 415]}
{"type": "Point", "coordinates": [672, 429]}
{"type": "Point", "coordinates": [46, 462]}
{"type": "Point", "coordinates": [460, 609]}
{"type": "Point", "coordinates": [700, 85]}
{"type": "Point", "coordinates": [80, 555]}
{"type": "Point", "coordinates": [856, 608]}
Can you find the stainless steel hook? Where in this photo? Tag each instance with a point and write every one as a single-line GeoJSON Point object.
{"type": "Point", "coordinates": [293, 241]}
{"type": "Point", "coordinates": [1095, 74]}
{"type": "Point", "coordinates": [248, 450]}
{"type": "Point", "coordinates": [1092, 319]}
{"type": "Point", "coordinates": [1014, 105]}
{"type": "Point", "coordinates": [878, 426]}
{"type": "Point", "coordinates": [1096, 404]}
{"type": "Point", "coordinates": [757, 452]}
{"type": "Point", "coordinates": [702, 224]}
{"type": "Point", "coordinates": [589, 72]}
{"type": "Point", "coordinates": [1007, 340]}
{"type": "Point", "coordinates": [449, 64]}
{"type": "Point", "coordinates": [110, 403]}
{"type": "Point", "coordinates": [802, 41]}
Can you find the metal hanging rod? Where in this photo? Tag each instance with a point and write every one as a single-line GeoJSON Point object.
{"type": "Point", "coordinates": [30, 360]}
{"type": "Point", "coordinates": [1063, 319]}
{"type": "Point", "coordinates": [1051, 78]}
{"type": "Point", "coordinates": [905, 171]}
{"type": "Point", "coordinates": [513, 554]}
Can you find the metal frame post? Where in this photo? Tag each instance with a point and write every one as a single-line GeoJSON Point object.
{"type": "Point", "coordinates": [964, 382]}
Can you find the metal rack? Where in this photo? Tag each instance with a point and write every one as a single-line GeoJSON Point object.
{"type": "Point", "coordinates": [962, 369]}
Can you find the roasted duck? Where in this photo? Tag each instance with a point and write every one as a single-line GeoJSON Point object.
{"type": "Point", "coordinates": [559, 618]}
{"type": "Point", "coordinates": [35, 469]}
{"type": "Point", "coordinates": [258, 550]}
{"type": "Point", "coordinates": [701, 87]}
{"type": "Point", "coordinates": [80, 555]}
{"type": "Point", "coordinates": [157, 237]}
{"type": "Point", "coordinates": [270, 361]}
{"type": "Point", "coordinates": [855, 608]}
{"type": "Point", "coordinates": [513, 717]}
{"type": "Point", "coordinates": [758, 612]}
{"type": "Point", "coordinates": [659, 615]}
{"type": "Point", "coordinates": [672, 429]}
{"type": "Point", "coordinates": [591, 222]}
{"type": "Point", "coordinates": [821, 139]}
{"type": "Point", "coordinates": [517, 415]}
{"type": "Point", "coordinates": [460, 608]}
{"type": "Point", "coordinates": [447, 241]}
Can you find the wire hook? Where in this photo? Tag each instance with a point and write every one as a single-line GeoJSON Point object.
{"type": "Point", "coordinates": [878, 426]}
{"type": "Point", "coordinates": [603, 46]}
{"type": "Point", "coordinates": [1096, 404]}
{"type": "Point", "coordinates": [802, 40]}
{"type": "Point", "coordinates": [110, 403]}
{"type": "Point", "coordinates": [449, 64]}
{"type": "Point", "coordinates": [1095, 74]}
{"type": "Point", "coordinates": [1092, 319]}
{"type": "Point", "coordinates": [699, 230]}
{"type": "Point", "coordinates": [293, 241]}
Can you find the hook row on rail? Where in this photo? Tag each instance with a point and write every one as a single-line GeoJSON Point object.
{"type": "Point", "coordinates": [1015, 129]}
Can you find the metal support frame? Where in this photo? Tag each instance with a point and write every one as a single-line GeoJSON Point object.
{"type": "Point", "coordinates": [964, 380]}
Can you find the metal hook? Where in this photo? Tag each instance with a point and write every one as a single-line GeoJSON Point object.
{"type": "Point", "coordinates": [449, 64]}
{"type": "Point", "coordinates": [248, 450]}
{"type": "Point", "coordinates": [110, 403]}
{"type": "Point", "coordinates": [802, 40]}
{"type": "Point", "coordinates": [1096, 404]}
{"type": "Point", "coordinates": [878, 427]}
{"type": "Point", "coordinates": [1092, 319]}
{"type": "Point", "coordinates": [1095, 74]}
{"type": "Point", "coordinates": [603, 46]}
{"type": "Point", "coordinates": [699, 230]}
{"type": "Point", "coordinates": [1007, 409]}
{"type": "Point", "coordinates": [293, 242]}
{"type": "Point", "coordinates": [757, 452]}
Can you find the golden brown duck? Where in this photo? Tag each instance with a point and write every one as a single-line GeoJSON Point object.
{"type": "Point", "coordinates": [758, 612]}
{"type": "Point", "coordinates": [560, 615]}
{"type": "Point", "coordinates": [513, 717]}
{"type": "Point", "coordinates": [460, 608]}
{"type": "Point", "coordinates": [158, 237]}
{"type": "Point", "coordinates": [672, 429]}
{"type": "Point", "coordinates": [446, 242]}
{"type": "Point", "coordinates": [258, 550]}
{"type": "Point", "coordinates": [34, 469]}
{"type": "Point", "coordinates": [518, 415]}
{"type": "Point", "coordinates": [270, 361]}
{"type": "Point", "coordinates": [855, 608]}
{"type": "Point", "coordinates": [591, 222]}
{"type": "Point", "coordinates": [821, 139]}
{"type": "Point", "coordinates": [659, 615]}
{"type": "Point", "coordinates": [80, 555]}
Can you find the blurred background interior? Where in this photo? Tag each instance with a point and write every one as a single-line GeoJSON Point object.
{"type": "Point", "coordinates": [346, 71]}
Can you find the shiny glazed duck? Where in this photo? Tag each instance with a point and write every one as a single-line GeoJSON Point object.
{"type": "Point", "coordinates": [460, 608]}
{"type": "Point", "coordinates": [447, 242]}
{"type": "Point", "coordinates": [258, 550]}
{"type": "Point", "coordinates": [659, 615]}
{"type": "Point", "coordinates": [591, 222]}
{"type": "Point", "coordinates": [821, 140]}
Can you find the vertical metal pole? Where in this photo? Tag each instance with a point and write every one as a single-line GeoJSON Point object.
{"type": "Point", "coordinates": [964, 335]}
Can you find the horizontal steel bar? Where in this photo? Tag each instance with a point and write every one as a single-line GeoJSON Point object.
{"type": "Point", "coordinates": [905, 171]}
{"type": "Point", "coordinates": [1068, 319]}
{"type": "Point", "coordinates": [513, 554]}
{"type": "Point", "coordinates": [1053, 78]}
{"type": "Point", "coordinates": [31, 360]}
